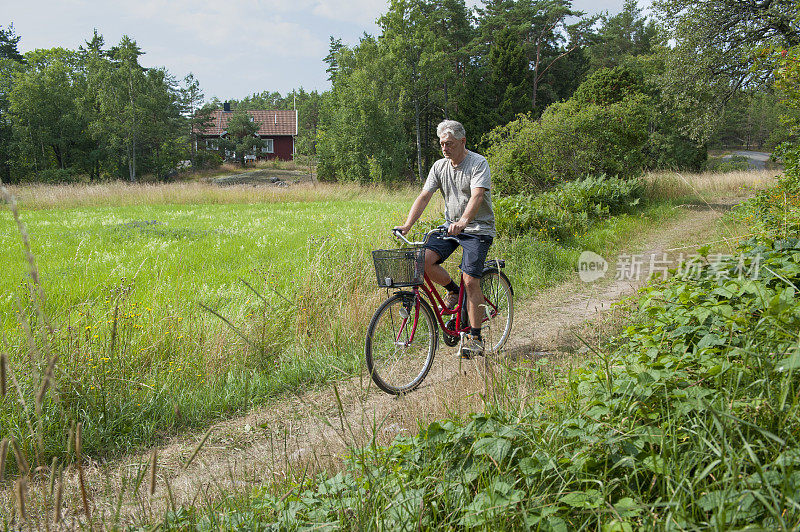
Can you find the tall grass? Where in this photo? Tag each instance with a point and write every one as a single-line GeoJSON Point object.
{"type": "Point", "coordinates": [671, 186]}
{"type": "Point", "coordinates": [121, 194]}
{"type": "Point", "coordinates": [169, 315]}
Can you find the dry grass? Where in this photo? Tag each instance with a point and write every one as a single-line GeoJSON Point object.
{"type": "Point", "coordinates": [676, 185]}
{"type": "Point", "coordinates": [229, 168]}
{"type": "Point", "coordinates": [122, 194]}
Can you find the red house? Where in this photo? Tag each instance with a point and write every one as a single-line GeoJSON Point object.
{"type": "Point", "coordinates": [277, 129]}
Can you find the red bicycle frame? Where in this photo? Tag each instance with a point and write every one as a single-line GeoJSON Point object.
{"type": "Point", "coordinates": [440, 309]}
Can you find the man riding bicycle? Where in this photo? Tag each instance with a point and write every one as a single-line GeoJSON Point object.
{"type": "Point", "coordinates": [463, 178]}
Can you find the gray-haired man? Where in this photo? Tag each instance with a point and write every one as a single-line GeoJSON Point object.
{"type": "Point", "coordinates": [463, 178]}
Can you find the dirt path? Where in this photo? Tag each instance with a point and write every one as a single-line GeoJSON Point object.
{"type": "Point", "coordinates": [314, 430]}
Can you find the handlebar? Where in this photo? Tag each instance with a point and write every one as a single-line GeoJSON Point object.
{"type": "Point", "coordinates": [440, 230]}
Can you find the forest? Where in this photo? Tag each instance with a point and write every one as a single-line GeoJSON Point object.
{"type": "Point", "coordinates": [548, 93]}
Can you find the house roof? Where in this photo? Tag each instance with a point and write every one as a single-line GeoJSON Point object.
{"type": "Point", "coordinates": [272, 122]}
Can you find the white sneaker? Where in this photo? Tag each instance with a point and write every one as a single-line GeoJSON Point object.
{"type": "Point", "coordinates": [471, 346]}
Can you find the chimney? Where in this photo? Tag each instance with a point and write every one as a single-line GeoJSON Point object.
{"type": "Point", "coordinates": [226, 107]}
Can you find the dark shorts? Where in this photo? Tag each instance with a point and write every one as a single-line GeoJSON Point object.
{"type": "Point", "coordinates": [476, 247]}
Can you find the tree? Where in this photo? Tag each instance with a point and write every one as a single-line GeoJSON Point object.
{"type": "Point", "coordinates": [11, 62]}
{"type": "Point", "coordinates": [554, 27]}
{"type": "Point", "coordinates": [751, 119]}
{"type": "Point", "coordinates": [509, 77]}
{"type": "Point", "coordinates": [8, 44]}
{"type": "Point", "coordinates": [332, 58]}
{"type": "Point", "coordinates": [626, 34]}
{"type": "Point", "coordinates": [544, 30]}
{"type": "Point", "coordinates": [48, 125]}
{"type": "Point", "coordinates": [241, 137]}
{"type": "Point", "coordinates": [410, 42]}
{"type": "Point", "coordinates": [361, 132]}
{"type": "Point", "coordinates": [198, 118]}
{"type": "Point", "coordinates": [717, 51]}
{"type": "Point", "coordinates": [95, 65]}
{"type": "Point", "coordinates": [121, 85]}
{"type": "Point", "coordinates": [163, 137]}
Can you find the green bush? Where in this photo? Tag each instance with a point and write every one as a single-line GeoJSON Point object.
{"type": "Point", "coordinates": [55, 176]}
{"type": "Point", "coordinates": [607, 86]}
{"type": "Point", "coordinates": [668, 150]}
{"type": "Point", "coordinates": [569, 141]}
{"type": "Point", "coordinates": [205, 159]}
{"type": "Point", "coordinates": [776, 212]}
{"type": "Point", "coordinates": [735, 163]}
{"type": "Point", "coordinates": [566, 210]}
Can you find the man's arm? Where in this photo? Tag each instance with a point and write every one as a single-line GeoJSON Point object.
{"type": "Point", "coordinates": [416, 211]}
{"type": "Point", "coordinates": [470, 212]}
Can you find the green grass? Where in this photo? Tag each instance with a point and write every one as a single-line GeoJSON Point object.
{"type": "Point", "coordinates": [139, 357]}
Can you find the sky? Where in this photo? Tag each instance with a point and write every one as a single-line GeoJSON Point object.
{"type": "Point", "coordinates": [234, 48]}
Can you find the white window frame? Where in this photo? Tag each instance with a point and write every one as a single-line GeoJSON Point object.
{"type": "Point", "coordinates": [270, 146]}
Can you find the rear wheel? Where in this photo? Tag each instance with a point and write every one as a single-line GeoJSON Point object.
{"type": "Point", "coordinates": [499, 309]}
{"type": "Point", "coordinates": [400, 354]}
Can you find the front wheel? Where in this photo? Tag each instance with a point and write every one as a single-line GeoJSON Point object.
{"type": "Point", "coordinates": [401, 343]}
{"type": "Point", "coordinates": [499, 309]}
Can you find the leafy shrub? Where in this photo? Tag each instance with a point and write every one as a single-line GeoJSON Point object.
{"type": "Point", "coordinates": [595, 132]}
{"type": "Point", "coordinates": [734, 163]}
{"type": "Point", "coordinates": [205, 159]}
{"type": "Point", "coordinates": [55, 175]}
{"type": "Point", "coordinates": [668, 150]}
{"type": "Point", "coordinates": [776, 212]}
{"type": "Point", "coordinates": [607, 86]}
{"type": "Point", "coordinates": [790, 153]}
{"type": "Point", "coordinates": [567, 210]}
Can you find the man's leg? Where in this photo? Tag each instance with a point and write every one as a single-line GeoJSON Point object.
{"type": "Point", "coordinates": [475, 301]}
{"type": "Point", "coordinates": [435, 271]}
{"type": "Point", "coordinates": [438, 250]}
{"type": "Point", "coordinates": [476, 248]}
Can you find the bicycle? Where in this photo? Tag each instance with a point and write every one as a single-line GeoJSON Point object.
{"type": "Point", "coordinates": [403, 334]}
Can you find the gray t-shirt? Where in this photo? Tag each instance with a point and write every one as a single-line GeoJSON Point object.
{"type": "Point", "coordinates": [456, 184]}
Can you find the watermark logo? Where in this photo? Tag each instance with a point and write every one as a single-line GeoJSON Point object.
{"type": "Point", "coordinates": [591, 267]}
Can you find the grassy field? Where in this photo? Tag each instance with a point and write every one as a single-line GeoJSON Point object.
{"type": "Point", "coordinates": [125, 290]}
{"type": "Point", "coordinates": [170, 305]}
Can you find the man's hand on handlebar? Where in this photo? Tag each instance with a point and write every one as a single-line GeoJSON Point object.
{"type": "Point", "coordinates": [402, 229]}
{"type": "Point", "coordinates": [455, 228]}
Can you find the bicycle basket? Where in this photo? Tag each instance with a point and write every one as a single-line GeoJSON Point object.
{"type": "Point", "coordinates": [396, 268]}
